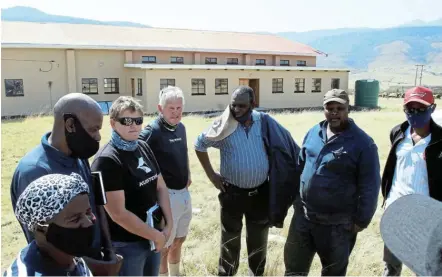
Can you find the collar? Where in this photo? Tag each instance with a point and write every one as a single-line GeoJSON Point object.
{"type": "Point", "coordinates": [55, 154]}
{"type": "Point", "coordinates": [40, 262]}
{"type": "Point", "coordinates": [346, 133]}
{"type": "Point", "coordinates": [164, 124]}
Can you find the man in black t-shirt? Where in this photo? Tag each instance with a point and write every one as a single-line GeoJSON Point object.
{"type": "Point", "coordinates": [166, 136]}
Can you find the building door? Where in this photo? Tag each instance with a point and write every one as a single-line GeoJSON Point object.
{"type": "Point", "coordinates": [254, 84]}
{"type": "Point", "coordinates": [132, 86]}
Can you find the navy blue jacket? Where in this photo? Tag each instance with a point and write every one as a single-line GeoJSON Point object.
{"type": "Point", "coordinates": [340, 181]}
{"type": "Point", "coordinates": [284, 171]}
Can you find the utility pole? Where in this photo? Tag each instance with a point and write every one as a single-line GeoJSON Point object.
{"type": "Point", "coordinates": [420, 79]}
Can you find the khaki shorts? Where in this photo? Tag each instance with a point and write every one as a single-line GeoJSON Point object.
{"type": "Point", "coordinates": [181, 205]}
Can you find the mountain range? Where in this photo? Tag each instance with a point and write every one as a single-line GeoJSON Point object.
{"type": "Point", "coordinates": [388, 54]}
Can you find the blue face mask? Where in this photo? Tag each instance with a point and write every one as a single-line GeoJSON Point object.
{"type": "Point", "coordinates": [419, 120]}
{"type": "Point", "coordinates": [243, 119]}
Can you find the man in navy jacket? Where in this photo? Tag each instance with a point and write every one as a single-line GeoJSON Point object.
{"type": "Point", "coordinates": [339, 189]}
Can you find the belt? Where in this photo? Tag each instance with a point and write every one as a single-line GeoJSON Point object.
{"type": "Point", "coordinates": [248, 192]}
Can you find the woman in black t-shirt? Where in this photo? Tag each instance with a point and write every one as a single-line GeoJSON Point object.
{"type": "Point", "coordinates": [133, 185]}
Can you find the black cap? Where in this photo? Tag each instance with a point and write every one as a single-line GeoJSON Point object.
{"type": "Point", "coordinates": [411, 228]}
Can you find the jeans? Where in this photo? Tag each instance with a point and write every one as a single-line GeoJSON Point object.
{"type": "Point", "coordinates": [139, 260]}
{"type": "Point", "coordinates": [333, 243]}
{"type": "Point", "coordinates": [393, 266]}
{"type": "Point", "coordinates": [252, 204]}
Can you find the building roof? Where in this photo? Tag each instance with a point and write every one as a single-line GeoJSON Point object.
{"type": "Point", "coordinates": [85, 36]}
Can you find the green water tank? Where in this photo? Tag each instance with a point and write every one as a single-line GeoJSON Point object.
{"type": "Point", "coordinates": [367, 93]}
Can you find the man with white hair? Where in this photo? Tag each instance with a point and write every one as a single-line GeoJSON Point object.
{"type": "Point", "coordinates": [166, 136]}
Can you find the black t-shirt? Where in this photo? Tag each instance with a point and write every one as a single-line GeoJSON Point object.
{"type": "Point", "coordinates": [170, 149]}
{"type": "Point", "coordinates": [135, 172]}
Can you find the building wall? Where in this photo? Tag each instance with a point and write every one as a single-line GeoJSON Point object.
{"type": "Point", "coordinates": [102, 64]}
{"type": "Point", "coordinates": [37, 95]}
{"type": "Point", "coordinates": [71, 66]}
{"type": "Point", "coordinates": [311, 61]}
{"type": "Point", "coordinates": [211, 101]}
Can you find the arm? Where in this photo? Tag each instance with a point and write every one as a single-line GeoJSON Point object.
{"type": "Point", "coordinates": [164, 202]}
{"type": "Point", "coordinates": [201, 146]}
{"type": "Point", "coordinates": [115, 207]}
{"type": "Point", "coordinates": [369, 181]}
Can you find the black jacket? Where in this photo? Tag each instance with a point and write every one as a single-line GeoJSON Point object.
{"type": "Point", "coordinates": [284, 172]}
{"type": "Point", "coordinates": [433, 157]}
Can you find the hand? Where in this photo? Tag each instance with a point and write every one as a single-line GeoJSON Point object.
{"type": "Point", "coordinates": [160, 241]}
{"type": "Point", "coordinates": [218, 181]}
{"type": "Point", "coordinates": [166, 231]}
{"type": "Point", "coordinates": [357, 229]}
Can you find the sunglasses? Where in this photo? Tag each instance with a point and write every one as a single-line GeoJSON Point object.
{"type": "Point", "coordinates": [417, 110]}
{"type": "Point", "coordinates": [128, 121]}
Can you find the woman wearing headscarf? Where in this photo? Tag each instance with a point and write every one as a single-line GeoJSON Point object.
{"type": "Point", "coordinates": [56, 209]}
{"type": "Point", "coordinates": [133, 184]}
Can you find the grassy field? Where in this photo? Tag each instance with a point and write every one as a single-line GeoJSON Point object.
{"type": "Point", "coordinates": [201, 250]}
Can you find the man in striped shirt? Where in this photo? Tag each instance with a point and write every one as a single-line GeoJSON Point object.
{"type": "Point", "coordinates": [243, 185]}
{"type": "Point", "coordinates": [415, 160]}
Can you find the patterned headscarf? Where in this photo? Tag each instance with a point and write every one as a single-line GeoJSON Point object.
{"type": "Point", "coordinates": [45, 197]}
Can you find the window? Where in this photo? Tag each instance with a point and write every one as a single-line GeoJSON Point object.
{"type": "Point", "coordinates": [299, 85]}
{"type": "Point", "coordinates": [277, 85]}
{"type": "Point", "coordinates": [140, 87]}
{"type": "Point", "coordinates": [148, 59]}
{"type": "Point", "coordinates": [301, 63]}
{"type": "Point", "coordinates": [198, 86]}
{"type": "Point", "coordinates": [164, 83]}
{"type": "Point", "coordinates": [221, 86]}
{"type": "Point", "coordinates": [89, 85]}
{"type": "Point", "coordinates": [211, 60]}
{"type": "Point", "coordinates": [176, 60]}
{"type": "Point", "coordinates": [316, 86]}
{"type": "Point", "coordinates": [284, 62]}
{"type": "Point", "coordinates": [14, 87]}
{"type": "Point", "coordinates": [232, 60]}
{"type": "Point", "coordinates": [111, 85]}
{"type": "Point", "coordinates": [335, 83]}
{"type": "Point", "coordinates": [260, 62]}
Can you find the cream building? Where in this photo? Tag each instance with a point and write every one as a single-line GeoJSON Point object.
{"type": "Point", "coordinates": [43, 61]}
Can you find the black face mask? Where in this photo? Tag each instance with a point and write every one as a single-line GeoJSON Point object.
{"type": "Point", "coordinates": [73, 241]}
{"type": "Point", "coordinates": [81, 144]}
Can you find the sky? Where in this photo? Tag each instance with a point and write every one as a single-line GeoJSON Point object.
{"type": "Point", "coordinates": [246, 15]}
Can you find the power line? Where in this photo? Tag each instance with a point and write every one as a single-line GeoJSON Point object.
{"type": "Point", "coordinates": [420, 79]}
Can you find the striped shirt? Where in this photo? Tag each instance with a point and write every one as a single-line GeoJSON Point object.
{"type": "Point", "coordinates": [410, 175]}
{"type": "Point", "coordinates": [244, 161]}
{"type": "Point", "coordinates": [30, 262]}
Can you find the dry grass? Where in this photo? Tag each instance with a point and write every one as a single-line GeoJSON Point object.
{"type": "Point", "coordinates": [202, 247]}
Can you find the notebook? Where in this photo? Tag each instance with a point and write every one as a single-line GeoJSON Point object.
{"type": "Point", "coordinates": [154, 220]}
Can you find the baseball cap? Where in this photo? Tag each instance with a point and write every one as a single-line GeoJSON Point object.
{"type": "Point", "coordinates": [419, 94]}
{"type": "Point", "coordinates": [336, 95]}
{"type": "Point", "coordinates": [411, 228]}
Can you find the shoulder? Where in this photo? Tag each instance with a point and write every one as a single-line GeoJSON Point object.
{"type": "Point", "coordinates": [19, 267]}
{"type": "Point", "coordinates": [107, 154]}
{"type": "Point", "coordinates": [257, 116]}
{"type": "Point", "coordinates": [398, 129]}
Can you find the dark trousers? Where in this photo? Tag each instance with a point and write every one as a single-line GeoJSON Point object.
{"type": "Point", "coordinates": [253, 204]}
{"type": "Point", "coordinates": [392, 265]}
{"type": "Point", "coordinates": [333, 243]}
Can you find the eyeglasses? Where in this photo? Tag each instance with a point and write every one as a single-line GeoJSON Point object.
{"type": "Point", "coordinates": [417, 110]}
{"type": "Point", "coordinates": [128, 121]}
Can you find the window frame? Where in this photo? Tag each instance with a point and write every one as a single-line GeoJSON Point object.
{"type": "Point", "coordinates": [14, 94]}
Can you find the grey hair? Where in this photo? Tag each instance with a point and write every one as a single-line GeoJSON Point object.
{"type": "Point", "coordinates": [170, 93]}
{"type": "Point", "coordinates": [124, 103]}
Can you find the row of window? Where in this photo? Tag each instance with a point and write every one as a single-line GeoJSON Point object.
{"type": "Point", "coordinates": [278, 84]}
{"type": "Point", "coordinates": [14, 87]}
{"type": "Point", "coordinates": [230, 61]}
